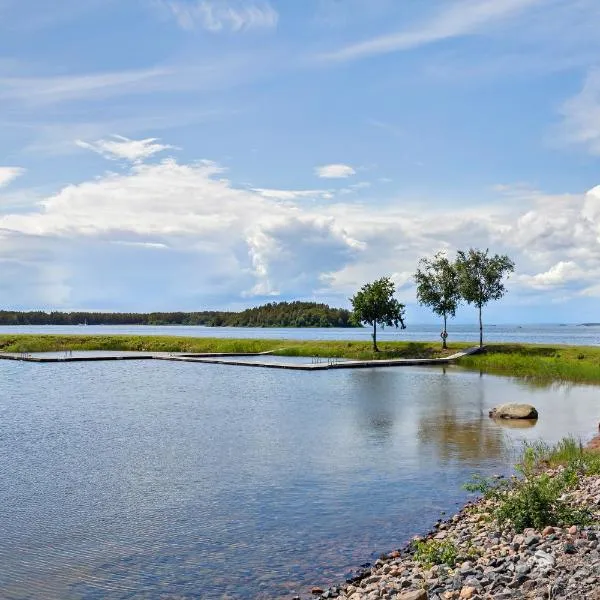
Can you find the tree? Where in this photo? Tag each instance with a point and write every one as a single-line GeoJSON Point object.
{"type": "Point", "coordinates": [481, 277]}
{"type": "Point", "coordinates": [437, 287]}
{"type": "Point", "coordinates": [375, 303]}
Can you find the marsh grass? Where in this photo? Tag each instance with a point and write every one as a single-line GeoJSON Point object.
{"type": "Point", "coordinates": [537, 363]}
{"type": "Point", "coordinates": [325, 349]}
{"type": "Point", "coordinates": [578, 364]}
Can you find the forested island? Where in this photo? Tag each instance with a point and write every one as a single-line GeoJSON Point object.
{"type": "Point", "coordinates": [275, 314]}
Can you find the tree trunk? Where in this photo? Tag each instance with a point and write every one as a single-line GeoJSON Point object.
{"type": "Point", "coordinates": [480, 328]}
{"type": "Point", "coordinates": [444, 335]}
{"type": "Point", "coordinates": [375, 348]}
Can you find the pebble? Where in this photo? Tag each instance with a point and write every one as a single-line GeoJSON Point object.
{"type": "Point", "coordinates": [495, 563]}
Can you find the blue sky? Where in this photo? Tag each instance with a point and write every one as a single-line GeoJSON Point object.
{"type": "Point", "coordinates": [195, 154]}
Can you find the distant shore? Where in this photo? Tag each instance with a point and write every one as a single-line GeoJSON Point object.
{"type": "Point", "coordinates": [541, 363]}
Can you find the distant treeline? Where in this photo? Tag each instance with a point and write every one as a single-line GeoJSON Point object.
{"type": "Point", "coordinates": [280, 314]}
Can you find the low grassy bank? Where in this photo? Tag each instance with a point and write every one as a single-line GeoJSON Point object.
{"type": "Point", "coordinates": [543, 363]}
{"type": "Point", "coordinates": [578, 364]}
{"type": "Point", "coordinates": [333, 349]}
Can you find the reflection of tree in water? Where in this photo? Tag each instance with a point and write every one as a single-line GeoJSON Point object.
{"type": "Point", "coordinates": [454, 422]}
{"type": "Point", "coordinates": [378, 398]}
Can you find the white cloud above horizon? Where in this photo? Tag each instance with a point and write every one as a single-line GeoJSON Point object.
{"type": "Point", "coordinates": [8, 174]}
{"type": "Point", "coordinates": [218, 16]}
{"type": "Point", "coordinates": [119, 147]}
{"type": "Point", "coordinates": [458, 18]}
{"type": "Point", "coordinates": [253, 245]}
{"type": "Point", "coordinates": [335, 171]}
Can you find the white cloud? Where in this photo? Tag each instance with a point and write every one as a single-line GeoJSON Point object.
{"type": "Point", "coordinates": [335, 171]}
{"type": "Point", "coordinates": [581, 124]}
{"type": "Point", "coordinates": [222, 15]}
{"type": "Point", "coordinates": [212, 241]}
{"type": "Point", "coordinates": [8, 174]}
{"type": "Point", "coordinates": [44, 90]}
{"type": "Point", "coordinates": [458, 19]}
{"type": "Point", "coordinates": [120, 147]}
{"type": "Point", "coordinates": [293, 194]}
{"type": "Point", "coordinates": [558, 275]}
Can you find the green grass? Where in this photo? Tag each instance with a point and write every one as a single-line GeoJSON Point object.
{"type": "Point", "coordinates": [332, 349]}
{"type": "Point", "coordinates": [538, 363]}
{"type": "Point", "coordinates": [536, 497]}
{"type": "Point", "coordinates": [578, 364]}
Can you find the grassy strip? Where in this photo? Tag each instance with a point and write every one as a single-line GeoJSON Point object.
{"type": "Point", "coordinates": [578, 364]}
{"type": "Point", "coordinates": [333, 349]}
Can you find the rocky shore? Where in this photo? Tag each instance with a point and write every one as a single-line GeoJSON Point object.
{"type": "Point", "coordinates": [491, 561]}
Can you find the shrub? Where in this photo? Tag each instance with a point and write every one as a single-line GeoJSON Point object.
{"type": "Point", "coordinates": [436, 552]}
{"type": "Point", "coordinates": [533, 498]}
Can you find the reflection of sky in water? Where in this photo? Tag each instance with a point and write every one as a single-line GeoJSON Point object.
{"type": "Point", "coordinates": [152, 479]}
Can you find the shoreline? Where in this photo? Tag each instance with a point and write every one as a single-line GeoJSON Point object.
{"type": "Point", "coordinates": [540, 363]}
{"type": "Point", "coordinates": [492, 561]}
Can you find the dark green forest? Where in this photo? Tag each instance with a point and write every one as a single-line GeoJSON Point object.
{"type": "Point", "coordinates": [276, 314]}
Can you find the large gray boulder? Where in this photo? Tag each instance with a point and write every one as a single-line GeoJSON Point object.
{"type": "Point", "coordinates": [514, 411]}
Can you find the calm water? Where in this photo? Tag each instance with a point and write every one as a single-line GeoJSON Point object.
{"type": "Point", "coordinates": [161, 480]}
{"type": "Point", "coordinates": [539, 334]}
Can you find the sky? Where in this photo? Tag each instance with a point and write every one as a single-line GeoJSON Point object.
{"type": "Point", "coordinates": [219, 154]}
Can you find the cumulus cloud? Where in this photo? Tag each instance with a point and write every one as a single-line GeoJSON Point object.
{"type": "Point", "coordinates": [335, 171]}
{"type": "Point", "coordinates": [8, 174]}
{"type": "Point", "coordinates": [118, 147]}
{"type": "Point", "coordinates": [222, 15]}
{"type": "Point", "coordinates": [213, 243]}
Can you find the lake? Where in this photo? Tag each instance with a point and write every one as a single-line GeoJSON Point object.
{"type": "Point", "coordinates": [165, 480]}
{"type": "Point", "coordinates": [534, 334]}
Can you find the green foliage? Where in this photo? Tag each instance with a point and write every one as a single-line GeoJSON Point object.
{"type": "Point", "coordinates": [163, 343]}
{"type": "Point", "coordinates": [437, 287]}
{"type": "Point", "coordinates": [540, 364]}
{"type": "Point", "coordinates": [276, 314]}
{"type": "Point", "coordinates": [481, 278]}
{"type": "Point", "coordinates": [436, 552]}
{"type": "Point", "coordinates": [375, 304]}
{"type": "Point", "coordinates": [534, 498]}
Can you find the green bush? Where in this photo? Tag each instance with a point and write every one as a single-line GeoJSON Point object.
{"type": "Point", "coordinates": [436, 552]}
{"type": "Point", "coordinates": [533, 498]}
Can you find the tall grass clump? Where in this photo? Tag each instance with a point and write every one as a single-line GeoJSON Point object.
{"type": "Point", "coordinates": [535, 497]}
{"type": "Point", "coordinates": [577, 364]}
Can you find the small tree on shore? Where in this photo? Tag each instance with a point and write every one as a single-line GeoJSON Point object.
{"type": "Point", "coordinates": [481, 278]}
{"type": "Point", "coordinates": [375, 304]}
{"type": "Point", "coordinates": [437, 287]}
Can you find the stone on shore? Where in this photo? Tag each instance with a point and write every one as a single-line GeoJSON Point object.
{"type": "Point", "coordinates": [514, 411]}
{"type": "Point", "coordinates": [493, 562]}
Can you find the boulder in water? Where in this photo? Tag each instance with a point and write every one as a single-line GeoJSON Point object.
{"type": "Point", "coordinates": [514, 411]}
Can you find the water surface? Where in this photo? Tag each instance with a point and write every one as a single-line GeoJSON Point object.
{"type": "Point", "coordinates": [159, 480]}
{"type": "Point", "coordinates": [535, 334]}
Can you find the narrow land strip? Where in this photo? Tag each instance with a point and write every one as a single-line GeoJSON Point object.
{"type": "Point", "coordinates": [538, 362]}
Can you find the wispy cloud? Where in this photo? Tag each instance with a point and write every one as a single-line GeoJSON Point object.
{"type": "Point", "coordinates": [581, 124]}
{"type": "Point", "coordinates": [46, 90]}
{"type": "Point", "coordinates": [335, 171]}
{"type": "Point", "coordinates": [8, 174]}
{"type": "Point", "coordinates": [119, 147]}
{"type": "Point", "coordinates": [222, 15]}
{"type": "Point", "coordinates": [461, 18]}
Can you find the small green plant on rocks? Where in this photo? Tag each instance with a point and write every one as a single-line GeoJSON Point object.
{"type": "Point", "coordinates": [533, 498]}
{"type": "Point", "coordinates": [436, 552]}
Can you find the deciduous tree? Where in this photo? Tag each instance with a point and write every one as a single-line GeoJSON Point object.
{"type": "Point", "coordinates": [375, 304]}
{"type": "Point", "coordinates": [437, 287]}
{"type": "Point", "coordinates": [481, 278]}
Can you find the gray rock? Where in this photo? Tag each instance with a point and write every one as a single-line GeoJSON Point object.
{"type": "Point", "coordinates": [514, 411]}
